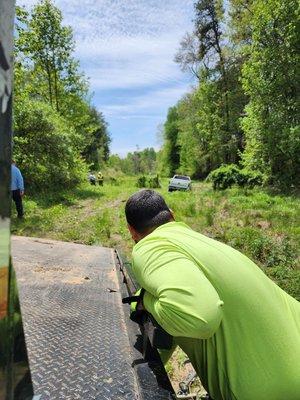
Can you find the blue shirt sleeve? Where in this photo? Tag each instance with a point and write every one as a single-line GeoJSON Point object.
{"type": "Point", "coordinates": [17, 181]}
{"type": "Point", "coordinates": [20, 181]}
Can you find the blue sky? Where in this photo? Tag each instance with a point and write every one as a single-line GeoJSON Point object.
{"type": "Point", "coordinates": [126, 48]}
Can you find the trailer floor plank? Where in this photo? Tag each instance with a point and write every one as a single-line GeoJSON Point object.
{"type": "Point", "coordinates": [74, 323]}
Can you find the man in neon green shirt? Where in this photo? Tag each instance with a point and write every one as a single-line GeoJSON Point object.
{"type": "Point", "coordinates": [239, 329]}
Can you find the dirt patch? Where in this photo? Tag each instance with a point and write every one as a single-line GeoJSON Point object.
{"type": "Point", "coordinates": [112, 274]}
{"type": "Point", "coordinates": [45, 270]}
{"type": "Point", "coordinates": [264, 224]}
{"type": "Point", "coordinates": [63, 274]}
{"type": "Point", "coordinates": [76, 280]}
{"type": "Point", "coordinates": [87, 208]}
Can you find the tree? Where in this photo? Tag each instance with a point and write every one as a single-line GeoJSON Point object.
{"type": "Point", "coordinates": [49, 45]}
{"type": "Point", "coordinates": [138, 162]}
{"type": "Point", "coordinates": [271, 79]}
{"type": "Point", "coordinates": [240, 22]}
{"type": "Point", "coordinates": [170, 156]}
{"type": "Point", "coordinates": [45, 147]}
{"type": "Point", "coordinates": [96, 147]}
{"type": "Point", "coordinates": [62, 126]}
{"type": "Point", "coordinates": [187, 56]}
{"type": "Point", "coordinates": [209, 16]}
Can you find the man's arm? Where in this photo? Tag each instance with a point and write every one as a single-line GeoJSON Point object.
{"type": "Point", "coordinates": [20, 181]}
{"type": "Point", "coordinates": [178, 295]}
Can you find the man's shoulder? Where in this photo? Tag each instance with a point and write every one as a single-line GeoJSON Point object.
{"type": "Point", "coordinates": [160, 239]}
{"type": "Point", "coordinates": [15, 168]}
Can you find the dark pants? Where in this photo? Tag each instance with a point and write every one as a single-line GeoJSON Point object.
{"type": "Point", "coordinates": [17, 198]}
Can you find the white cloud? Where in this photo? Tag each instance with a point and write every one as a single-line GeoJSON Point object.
{"type": "Point", "coordinates": [133, 62]}
{"type": "Point", "coordinates": [127, 43]}
{"type": "Point", "coordinates": [127, 48]}
{"type": "Point", "coordinates": [149, 104]}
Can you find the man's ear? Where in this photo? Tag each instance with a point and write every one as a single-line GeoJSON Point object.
{"type": "Point", "coordinates": [134, 234]}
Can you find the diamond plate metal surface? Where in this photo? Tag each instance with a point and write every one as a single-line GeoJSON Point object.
{"type": "Point", "coordinates": [75, 330]}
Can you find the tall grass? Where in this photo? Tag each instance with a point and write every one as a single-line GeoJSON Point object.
{"type": "Point", "coordinates": [265, 227]}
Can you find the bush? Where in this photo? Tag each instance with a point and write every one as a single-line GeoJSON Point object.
{"type": "Point", "coordinates": [248, 178]}
{"type": "Point", "coordinates": [46, 147]}
{"type": "Point", "coordinates": [141, 182]}
{"type": "Point", "coordinates": [227, 175]}
{"type": "Point", "coordinates": [151, 182]}
{"type": "Point", "coordinates": [266, 250]}
{"type": "Point", "coordinates": [224, 177]}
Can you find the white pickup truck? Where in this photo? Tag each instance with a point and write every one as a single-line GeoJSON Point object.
{"type": "Point", "coordinates": [180, 182]}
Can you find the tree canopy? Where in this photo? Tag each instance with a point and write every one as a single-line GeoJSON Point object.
{"type": "Point", "coordinates": [58, 133]}
{"type": "Point", "coordinates": [244, 108]}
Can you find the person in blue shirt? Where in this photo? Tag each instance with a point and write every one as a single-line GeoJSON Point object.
{"type": "Point", "coordinates": [17, 188]}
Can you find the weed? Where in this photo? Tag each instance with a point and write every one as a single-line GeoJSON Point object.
{"type": "Point", "coordinates": [190, 209]}
{"type": "Point", "coordinates": [263, 226]}
{"type": "Point", "coordinates": [209, 214]}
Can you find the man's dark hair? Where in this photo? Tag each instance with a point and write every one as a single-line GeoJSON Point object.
{"type": "Point", "coordinates": [147, 209]}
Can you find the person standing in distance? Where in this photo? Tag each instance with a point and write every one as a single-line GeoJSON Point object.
{"type": "Point", "coordinates": [17, 188]}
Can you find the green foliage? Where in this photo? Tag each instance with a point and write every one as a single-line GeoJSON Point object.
{"type": "Point", "coordinates": [45, 147]}
{"type": "Point", "coordinates": [224, 177]}
{"type": "Point", "coordinates": [267, 250]}
{"type": "Point", "coordinates": [245, 107]}
{"type": "Point", "coordinates": [56, 127]}
{"type": "Point", "coordinates": [271, 79]}
{"type": "Point", "coordinates": [151, 182]}
{"type": "Point", "coordinates": [249, 178]}
{"type": "Point", "coordinates": [227, 175]}
{"type": "Point", "coordinates": [44, 41]}
{"type": "Point", "coordinates": [171, 149]}
{"type": "Point", "coordinates": [141, 182]}
{"type": "Point", "coordinates": [288, 279]}
{"type": "Point", "coordinates": [138, 162]}
{"type": "Point", "coordinates": [96, 147]}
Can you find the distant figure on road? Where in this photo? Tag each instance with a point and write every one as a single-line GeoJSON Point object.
{"type": "Point", "coordinates": [92, 179]}
{"type": "Point", "coordinates": [17, 188]}
{"type": "Point", "coordinates": [100, 178]}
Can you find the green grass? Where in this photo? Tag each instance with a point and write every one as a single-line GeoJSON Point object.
{"type": "Point", "coordinates": [265, 227]}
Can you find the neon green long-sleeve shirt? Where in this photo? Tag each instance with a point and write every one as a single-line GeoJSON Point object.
{"type": "Point", "coordinates": [239, 329]}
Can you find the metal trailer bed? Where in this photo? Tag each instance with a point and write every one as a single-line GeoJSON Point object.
{"type": "Point", "coordinates": [80, 341]}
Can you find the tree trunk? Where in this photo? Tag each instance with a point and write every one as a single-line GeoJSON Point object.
{"type": "Point", "coordinates": [49, 82]}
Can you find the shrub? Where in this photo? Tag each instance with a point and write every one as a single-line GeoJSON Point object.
{"type": "Point", "coordinates": [46, 147]}
{"type": "Point", "coordinates": [224, 177]}
{"type": "Point", "coordinates": [248, 178]}
{"type": "Point", "coordinates": [264, 249]}
{"type": "Point", "coordinates": [141, 182]}
{"type": "Point", "coordinates": [227, 175]}
{"type": "Point", "coordinates": [149, 182]}
{"type": "Point", "coordinates": [153, 182]}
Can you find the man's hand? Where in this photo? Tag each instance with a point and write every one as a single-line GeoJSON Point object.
{"type": "Point", "coordinates": [21, 193]}
{"type": "Point", "coordinates": [140, 306]}
{"type": "Point", "coordinates": [137, 309]}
